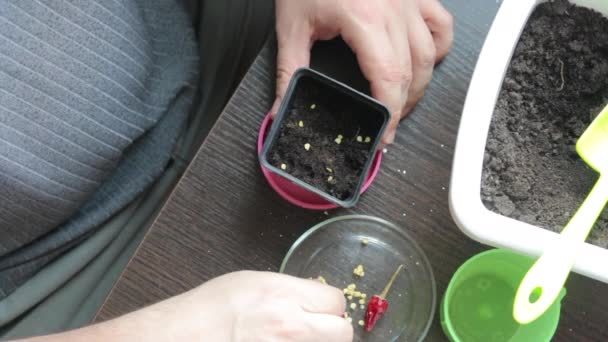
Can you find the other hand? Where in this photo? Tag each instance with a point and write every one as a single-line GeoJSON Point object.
{"type": "Point", "coordinates": [397, 43]}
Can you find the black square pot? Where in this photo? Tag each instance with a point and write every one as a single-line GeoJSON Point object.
{"type": "Point", "coordinates": [349, 108]}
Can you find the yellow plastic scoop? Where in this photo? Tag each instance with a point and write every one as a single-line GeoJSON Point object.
{"type": "Point", "coordinates": [542, 284]}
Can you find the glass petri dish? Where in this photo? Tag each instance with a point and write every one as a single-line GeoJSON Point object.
{"type": "Point", "coordinates": [333, 248]}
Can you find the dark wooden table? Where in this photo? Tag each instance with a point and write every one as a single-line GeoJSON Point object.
{"type": "Point", "coordinates": [223, 216]}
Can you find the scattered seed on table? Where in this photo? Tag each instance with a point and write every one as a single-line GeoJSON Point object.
{"type": "Point", "coordinates": [368, 140]}
{"type": "Point", "coordinates": [313, 106]}
{"type": "Point", "coordinates": [307, 147]}
{"type": "Point", "coordinates": [283, 166]}
{"type": "Point", "coordinates": [301, 123]}
{"type": "Point", "coordinates": [359, 138]}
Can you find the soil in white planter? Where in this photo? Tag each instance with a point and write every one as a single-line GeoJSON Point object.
{"type": "Point", "coordinates": [556, 83]}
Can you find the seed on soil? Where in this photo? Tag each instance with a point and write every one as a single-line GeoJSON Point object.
{"type": "Point", "coordinates": [363, 295]}
{"type": "Point", "coordinates": [364, 242]}
{"type": "Point", "coordinates": [351, 286]}
{"type": "Point", "coordinates": [307, 147]}
{"type": "Point", "coordinates": [368, 140]}
{"type": "Point", "coordinates": [353, 306]}
{"type": "Point", "coordinates": [384, 150]}
{"type": "Point", "coordinates": [329, 170]}
{"type": "Point", "coordinates": [361, 323]}
{"type": "Point", "coordinates": [313, 106]}
{"type": "Point", "coordinates": [301, 123]}
{"type": "Point", "coordinates": [283, 166]}
{"type": "Point", "coordinates": [361, 301]}
{"type": "Point", "coordinates": [359, 271]}
{"type": "Point", "coordinates": [330, 179]}
{"type": "Point", "coordinates": [359, 138]}
{"type": "Point", "coordinates": [338, 140]}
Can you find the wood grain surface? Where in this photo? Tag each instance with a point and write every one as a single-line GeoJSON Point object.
{"type": "Point", "coordinates": [223, 216]}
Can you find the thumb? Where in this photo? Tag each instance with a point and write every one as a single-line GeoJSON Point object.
{"type": "Point", "coordinates": [294, 53]}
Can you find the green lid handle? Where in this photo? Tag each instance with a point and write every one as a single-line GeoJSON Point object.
{"type": "Point", "coordinates": [544, 281]}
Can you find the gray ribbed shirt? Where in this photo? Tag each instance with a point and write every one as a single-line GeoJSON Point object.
{"type": "Point", "coordinates": [93, 95]}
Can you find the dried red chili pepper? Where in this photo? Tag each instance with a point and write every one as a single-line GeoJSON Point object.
{"type": "Point", "coordinates": [378, 305]}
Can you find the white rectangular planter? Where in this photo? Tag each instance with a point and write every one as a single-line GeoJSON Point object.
{"type": "Point", "coordinates": [467, 209]}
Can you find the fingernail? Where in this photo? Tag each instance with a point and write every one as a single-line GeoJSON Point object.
{"type": "Point", "coordinates": [389, 138]}
{"type": "Point", "coordinates": [275, 107]}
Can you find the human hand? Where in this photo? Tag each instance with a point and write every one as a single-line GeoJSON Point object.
{"type": "Point", "coordinates": [397, 43]}
{"type": "Point", "coordinates": [237, 307]}
{"type": "Point", "coordinates": [263, 306]}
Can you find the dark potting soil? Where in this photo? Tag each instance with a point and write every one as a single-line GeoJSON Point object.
{"type": "Point", "coordinates": [316, 117]}
{"type": "Point", "coordinates": [556, 84]}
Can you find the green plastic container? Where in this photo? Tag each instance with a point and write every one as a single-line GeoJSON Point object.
{"type": "Point", "coordinates": [478, 303]}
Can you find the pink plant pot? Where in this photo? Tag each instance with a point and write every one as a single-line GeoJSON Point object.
{"type": "Point", "coordinates": [294, 193]}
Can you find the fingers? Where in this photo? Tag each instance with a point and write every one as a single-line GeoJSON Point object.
{"type": "Point", "coordinates": [294, 43]}
{"type": "Point", "coordinates": [394, 96]}
{"type": "Point", "coordinates": [329, 328]}
{"type": "Point", "coordinates": [440, 22]}
{"type": "Point", "coordinates": [387, 68]}
{"type": "Point", "coordinates": [422, 53]}
{"type": "Point", "coordinates": [317, 298]}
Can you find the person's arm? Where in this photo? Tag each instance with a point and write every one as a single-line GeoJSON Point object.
{"type": "Point", "coordinates": [397, 43]}
{"type": "Point", "coordinates": [242, 306]}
